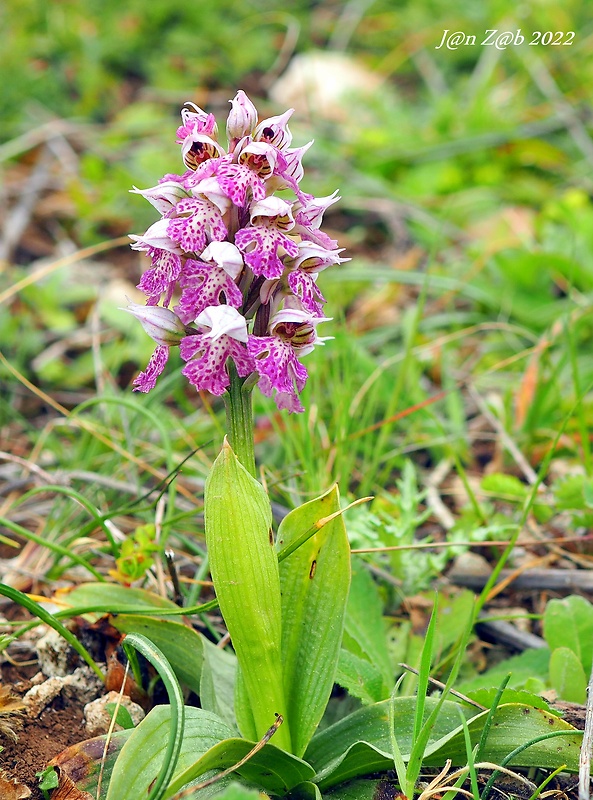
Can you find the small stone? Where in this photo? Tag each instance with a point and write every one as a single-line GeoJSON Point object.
{"type": "Point", "coordinates": [56, 657]}
{"type": "Point", "coordinates": [82, 685]}
{"type": "Point", "coordinates": [79, 687]}
{"type": "Point", "coordinates": [98, 718]}
{"type": "Point", "coordinates": [38, 697]}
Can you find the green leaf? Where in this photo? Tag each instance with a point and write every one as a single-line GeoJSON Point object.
{"type": "Point", "coordinates": [271, 768]}
{"type": "Point", "coordinates": [360, 744]}
{"type": "Point", "coordinates": [314, 582]}
{"type": "Point", "coordinates": [523, 668]}
{"type": "Point", "coordinates": [365, 626]}
{"type": "Point", "coordinates": [507, 486]}
{"type": "Point", "coordinates": [243, 712]}
{"type": "Point", "coordinates": [362, 790]}
{"type": "Point", "coordinates": [48, 779]}
{"type": "Point", "coordinates": [143, 754]}
{"type": "Point", "coordinates": [305, 791]}
{"type": "Point", "coordinates": [181, 645]}
{"type": "Point", "coordinates": [567, 676]}
{"type": "Point", "coordinates": [135, 753]}
{"type": "Point", "coordinates": [34, 608]}
{"type": "Point", "coordinates": [360, 678]}
{"type": "Point", "coordinates": [237, 792]}
{"type": "Point", "coordinates": [244, 568]}
{"type": "Point", "coordinates": [452, 609]}
{"type": "Point", "coordinates": [111, 597]}
{"type": "Point", "coordinates": [486, 698]}
{"type": "Point", "coordinates": [122, 718]}
{"type": "Point", "coordinates": [569, 623]}
{"type": "Point", "coordinates": [217, 685]}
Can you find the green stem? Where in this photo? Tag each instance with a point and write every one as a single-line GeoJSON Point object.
{"type": "Point", "coordinates": [239, 415]}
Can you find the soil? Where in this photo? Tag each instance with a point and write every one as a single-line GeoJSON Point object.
{"type": "Point", "coordinates": [39, 740]}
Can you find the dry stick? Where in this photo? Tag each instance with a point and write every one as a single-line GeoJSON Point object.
{"type": "Point", "coordinates": [433, 498]}
{"type": "Point", "coordinates": [502, 584]}
{"type": "Point", "coordinates": [509, 635]}
{"type": "Point", "coordinates": [553, 579]}
{"type": "Point", "coordinates": [262, 742]}
{"type": "Point", "coordinates": [427, 545]}
{"type": "Point", "coordinates": [111, 729]}
{"type": "Point", "coordinates": [510, 445]}
{"type": "Point", "coordinates": [442, 686]}
{"type": "Point", "coordinates": [159, 570]}
{"type": "Point", "coordinates": [18, 218]}
{"type": "Point", "coordinates": [89, 427]}
{"type": "Point", "coordinates": [72, 258]}
{"type": "Point", "coordinates": [44, 133]}
{"type": "Point", "coordinates": [549, 88]}
{"type": "Point", "coordinates": [587, 746]}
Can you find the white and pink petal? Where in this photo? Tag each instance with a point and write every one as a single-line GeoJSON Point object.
{"type": "Point", "coordinates": [206, 361]}
{"type": "Point", "coordinates": [204, 285]}
{"type": "Point", "coordinates": [263, 248]}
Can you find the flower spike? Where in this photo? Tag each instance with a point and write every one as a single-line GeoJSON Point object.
{"type": "Point", "coordinates": [238, 263]}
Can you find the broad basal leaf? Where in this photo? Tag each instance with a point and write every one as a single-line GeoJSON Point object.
{"type": "Point", "coordinates": [314, 581]}
{"type": "Point", "coordinates": [359, 744]}
{"type": "Point", "coordinates": [244, 569]}
{"type": "Point", "coordinates": [143, 753]}
{"type": "Point", "coordinates": [271, 768]}
{"type": "Point", "coordinates": [217, 685]}
{"type": "Point", "coordinates": [181, 645]}
{"type": "Point", "coordinates": [110, 597]}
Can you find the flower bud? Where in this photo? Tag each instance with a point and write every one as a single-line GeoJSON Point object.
{"type": "Point", "coordinates": [242, 118]}
{"type": "Point", "coordinates": [161, 324]}
{"type": "Point", "coordinates": [164, 196]}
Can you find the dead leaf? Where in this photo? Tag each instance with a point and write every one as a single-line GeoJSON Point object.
{"type": "Point", "coordinates": [67, 789]}
{"type": "Point", "coordinates": [9, 702]}
{"type": "Point", "coordinates": [80, 764]}
{"type": "Point", "coordinates": [10, 707]}
{"type": "Point", "coordinates": [11, 789]}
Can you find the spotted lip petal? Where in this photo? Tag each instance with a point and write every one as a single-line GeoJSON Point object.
{"type": "Point", "coordinates": [206, 360]}
{"type": "Point", "coordinates": [199, 222]}
{"type": "Point", "coordinates": [204, 285]}
{"type": "Point", "coordinates": [281, 373]}
{"type": "Point", "coordinates": [162, 277]}
{"type": "Point", "coordinates": [262, 248]}
{"type": "Point", "coordinates": [146, 380]}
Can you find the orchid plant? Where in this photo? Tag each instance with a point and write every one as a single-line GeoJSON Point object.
{"type": "Point", "coordinates": [233, 284]}
{"type": "Point", "coordinates": [238, 263]}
